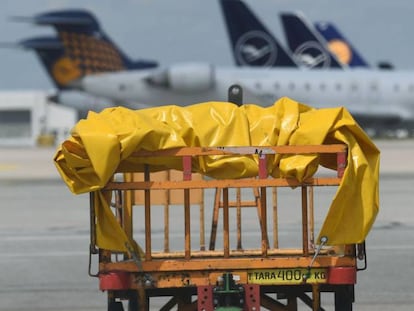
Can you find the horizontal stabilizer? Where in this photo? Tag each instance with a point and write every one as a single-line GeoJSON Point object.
{"type": "Point", "coordinates": [61, 17]}
{"type": "Point", "coordinates": [45, 19]}
{"type": "Point", "coordinates": [41, 43]}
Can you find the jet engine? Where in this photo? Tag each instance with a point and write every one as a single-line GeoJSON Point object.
{"type": "Point", "coordinates": [185, 78]}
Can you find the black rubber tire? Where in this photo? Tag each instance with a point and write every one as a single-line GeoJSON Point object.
{"type": "Point", "coordinates": [344, 297]}
{"type": "Point", "coordinates": [115, 306]}
{"type": "Point", "coordinates": [133, 304]}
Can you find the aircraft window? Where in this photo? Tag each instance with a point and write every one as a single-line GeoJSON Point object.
{"type": "Point", "coordinates": [411, 87]}
{"type": "Point", "coordinates": [374, 87]}
{"type": "Point", "coordinates": [354, 87]}
{"type": "Point", "coordinates": [307, 87]}
{"type": "Point", "coordinates": [291, 86]}
{"type": "Point", "coordinates": [338, 87]}
{"type": "Point", "coordinates": [258, 85]}
{"type": "Point", "coordinates": [396, 88]}
{"type": "Point", "coordinates": [276, 86]}
{"type": "Point", "coordinates": [122, 87]}
{"type": "Point", "coordinates": [322, 87]}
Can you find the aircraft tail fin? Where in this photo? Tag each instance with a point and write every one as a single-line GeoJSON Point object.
{"type": "Point", "coordinates": [307, 45]}
{"type": "Point", "coordinates": [339, 45]}
{"type": "Point", "coordinates": [252, 43]}
{"type": "Point", "coordinates": [84, 47]}
{"type": "Point", "coordinates": [83, 37]}
{"type": "Point", "coordinates": [50, 51]}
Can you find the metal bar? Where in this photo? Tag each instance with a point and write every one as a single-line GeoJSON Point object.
{"type": "Point", "coordinates": [252, 297]}
{"type": "Point", "coordinates": [263, 217]}
{"type": "Point", "coordinates": [239, 226]}
{"type": "Point", "coordinates": [223, 183]}
{"type": "Point", "coordinates": [262, 166]}
{"type": "Point", "coordinates": [187, 170]}
{"type": "Point", "coordinates": [187, 217]}
{"type": "Point", "coordinates": [311, 217]}
{"type": "Point", "coordinates": [241, 260]}
{"type": "Point", "coordinates": [147, 194]}
{"type": "Point", "coordinates": [243, 203]}
{"type": "Point", "coordinates": [292, 302]}
{"type": "Point", "coordinates": [194, 151]}
{"type": "Point", "coordinates": [143, 299]}
{"type": "Point", "coordinates": [226, 231]}
{"type": "Point", "coordinates": [92, 223]}
{"type": "Point", "coordinates": [263, 203]}
{"type": "Point", "coordinates": [118, 207]}
{"type": "Point", "coordinates": [205, 297]}
{"type": "Point", "coordinates": [202, 227]}
{"type": "Point", "coordinates": [305, 221]}
{"type": "Point", "coordinates": [187, 224]}
{"type": "Point", "coordinates": [233, 253]}
{"type": "Point", "coordinates": [167, 218]}
{"type": "Point", "coordinates": [341, 163]}
{"type": "Point", "coordinates": [275, 219]}
{"type": "Point", "coordinates": [128, 211]}
{"type": "Point", "coordinates": [316, 298]}
{"type": "Point", "coordinates": [214, 222]}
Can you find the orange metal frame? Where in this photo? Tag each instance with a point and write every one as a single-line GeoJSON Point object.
{"type": "Point", "coordinates": [203, 267]}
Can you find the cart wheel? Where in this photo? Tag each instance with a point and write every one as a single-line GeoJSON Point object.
{"type": "Point", "coordinates": [133, 302]}
{"type": "Point", "coordinates": [344, 298]}
{"type": "Point", "coordinates": [115, 305]}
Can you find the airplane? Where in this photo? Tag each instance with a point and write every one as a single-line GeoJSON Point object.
{"type": "Point", "coordinates": [68, 57]}
{"type": "Point", "coordinates": [79, 30]}
{"type": "Point", "coordinates": [51, 53]}
{"type": "Point", "coordinates": [375, 98]}
{"type": "Point", "coordinates": [121, 88]}
{"type": "Point", "coordinates": [306, 44]}
{"type": "Point", "coordinates": [252, 43]}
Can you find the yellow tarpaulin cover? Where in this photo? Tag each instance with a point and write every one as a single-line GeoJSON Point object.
{"type": "Point", "coordinates": [104, 141]}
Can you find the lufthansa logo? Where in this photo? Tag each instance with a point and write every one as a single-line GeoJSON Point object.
{"type": "Point", "coordinates": [256, 48]}
{"type": "Point", "coordinates": [65, 70]}
{"type": "Point", "coordinates": [341, 50]}
{"type": "Point", "coordinates": [311, 54]}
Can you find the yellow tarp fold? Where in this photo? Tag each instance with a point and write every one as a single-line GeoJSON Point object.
{"type": "Point", "coordinates": [104, 141]}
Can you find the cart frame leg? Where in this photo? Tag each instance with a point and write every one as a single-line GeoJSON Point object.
{"type": "Point", "coordinates": [344, 297]}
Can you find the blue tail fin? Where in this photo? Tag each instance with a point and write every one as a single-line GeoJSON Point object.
{"type": "Point", "coordinates": [306, 44]}
{"type": "Point", "coordinates": [51, 53]}
{"type": "Point", "coordinates": [340, 46]}
{"type": "Point", "coordinates": [87, 44]}
{"type": "Point", "coordinates": [252, 43]}
{"type": "Point", "coordinates": [81, 48]}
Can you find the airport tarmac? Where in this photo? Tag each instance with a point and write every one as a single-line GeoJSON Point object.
{"type": "Point", "coordinates": [44, 237]}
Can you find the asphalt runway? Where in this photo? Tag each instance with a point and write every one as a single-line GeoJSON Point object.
{"type": "Point", "coordinates": [44, 237]}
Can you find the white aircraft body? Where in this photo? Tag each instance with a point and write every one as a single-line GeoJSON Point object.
{"type": "Point", "coordinates": [373, 96]}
